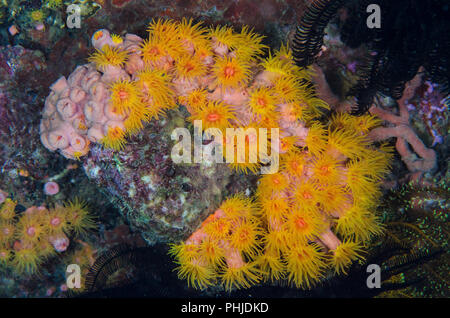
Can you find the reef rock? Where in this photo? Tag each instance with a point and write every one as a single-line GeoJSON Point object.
{"type": "Point", "coordinates": [163, 200]}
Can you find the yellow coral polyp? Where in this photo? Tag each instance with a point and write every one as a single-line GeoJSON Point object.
{"type": "Point", "coordinates": [192, 34]}
{"type": "Point", "coordinates": [190, 68]}
{"type": "Point", "coordinates": [306, 195]}
{"type": "Point", "coordinates": [155, 88]}
{"type": "Point", "coordinates": [378, 160]}
{"type": "Point", "coordinates": [7, 209]}
{"type": "Point", "coordinates": [316, 140]}
{"type": "Point", "coordinates": [162, 29]}
{"type": "Point", "coordinates": [7, 229]}
{"type": "Point", "coordinates": [244, 237]}
{"type": "Point", "coordinates": [271, 265]}
{"type": "Point", "coordinates": [262, 101]}
{"type": "Point", "coordinates": [242, 276]}
{"type": "Point", "coordinates": [280, 67]}
{"type": "Point", "coordinates": [215, 115]}
{"type": "Point", "coordinates": [152, 51]}
{"type": "Point", "coordinates": [196, 272]}
{"type": "Point", "coordinates": [26, 260]}
{"type": "Point", "coordinates": [79, 218]}
{"type": "Point", "coordinates": [305, 264]}
{"type": "Point", "coordinates": [184, 252]}
{"type": "Point", "coordinates": [363, 187]}
{"type": "Point", "coordinates": [303, 226]}
{"type": "Point", "coordinates": [56, 220]}
{"type": "Point", "coordinates": [346, 143]}
{"type": "Point", "coordinates": [272, 183]}
{"type": "Point", "coordinates": [114, 139]}
{"type": "Point", "coordinates": [293, 163]}
{"type": "Point", "coordinates": [37, 15]}
{"type": "Point", "coordinates": [139, 115]}
{"type": "Point", "coordinates": [245, 167]}
{"type": "Point", "coordinates": [231, 72]}
{"type": "Point", "coordinates": [287, 144]}
{"type": "Point", "coordinates": [108, 56]}
{"type": "Point", "coordinates": [335, 199]}
{"type": "Point", "coordinates": [344, 255]}
{"type": "Point", "coordinates": [287, 88]}
{"type": "Point", "coordinates": [326, 169]}
{"type": "Point", "coordinates": [30, 228]}
{"type": "Point", "coordinates": [276, 240]}
{"type": "Point", "coordinates": [125, 96]}
{"type": "Point", "coordinates": [212, 252]}
{"type": "Point", "coordinates": [117, 39]}
{"type": "Point", "coordinates": [6, 255]}
{"type": "Point", "coordinates": [274, 208]}
{"type": "Point", "coordinates": [285, 54]}
{"type": "Point", "coordinates": [249, 44]}
{"type": "Point", "coordinates": [363, 124]}
{"type": "Point", "coordinates": [195, 99]}
{"type": "Point", "coordinates": [45, 249]}
{"type": "Point", "coordinates": [224, 35]}
{"type": "Point", "coordinates": [163, 41]}
{"type": "Point", "coordinates": [360, 223]}
{"type": "Point", "coordinates": [237, 206]}
{"type": "Point", "coordinates": [218, 229]}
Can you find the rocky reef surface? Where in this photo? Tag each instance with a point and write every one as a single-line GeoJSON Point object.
{"type": "Point", "coordinates": [162, 200]}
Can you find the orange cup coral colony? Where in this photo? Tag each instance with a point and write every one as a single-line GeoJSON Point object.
{"type": "Point", "coordinates": [311, 218]}
{"type": "Point", "coordinates": [31, 238]}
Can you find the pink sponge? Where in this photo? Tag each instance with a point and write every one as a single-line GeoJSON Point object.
{"type": "Point", "coordinates": [76, 112]}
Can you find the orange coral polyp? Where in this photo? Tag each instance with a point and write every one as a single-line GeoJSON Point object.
{"type": "Point", "coordinates": [293, 162]}
{"type": "Point", "coordinates": [303, 225]}
{"type": "Point", "coordinates": [6, 232]}
{"type": "Point", "coordinates": [262, 101]}
{"type": "Point", "coordinates": [56, 220]}
{"type": "Point", "coordinates": [30, 228]}
{"type": "Point", "coordinates": [190, 68]}
{"type": "Point", "coordinates": [231, 72]}
{"type": "Point", "coordinates": [26, 259]}
{"type": "Point", "coordinates": [272, 183]}
{"type": "Point", "coordinates": [306, 196]}
{"type": "Point", "coordinates": [108, 56]}
{"type": "Point", "coordinates": [244, 237]}
{"type": "Point", "coordinates": [125, 96]}
{"type": "Point", "coordinates": [218, 229]}
{"type": "Point", "coordinates": [326, 170]}
{"type": "Point", "coordinates": [305, 264]}
{"type": "Point", "coordinates": [152, 51]}
{"type": "Point", "coordinates": [214, 114]}
{"type": "Point", "coordinates": [115, 138]}
{"type": "Point", "coordinates": [192, 33]}
{"type": "Point", "coordinates": [79, 219]}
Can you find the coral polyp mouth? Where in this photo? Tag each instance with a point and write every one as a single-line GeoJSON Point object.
{"type": "Point", "coordinates": [213, 117]}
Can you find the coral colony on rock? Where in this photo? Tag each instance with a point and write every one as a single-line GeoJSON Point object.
{"type": "Point", "coordinates": [205, 146]}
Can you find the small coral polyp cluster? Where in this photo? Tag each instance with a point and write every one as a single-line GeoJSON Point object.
{"type": "Point", "coordinates": [315, 216]}
{"type": "Point", "coordinates": [30, 238]}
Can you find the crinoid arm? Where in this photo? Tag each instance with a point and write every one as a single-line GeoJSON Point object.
{"type": "Point", "coordinates": [309, 36]}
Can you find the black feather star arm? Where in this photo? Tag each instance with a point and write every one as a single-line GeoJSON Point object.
{"type": "Point", "coordinates": [309, 35]}
{"type": "Point", "coordinates": [368, 84]}
{"type": "Point", "coordinates": [413, 34]}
